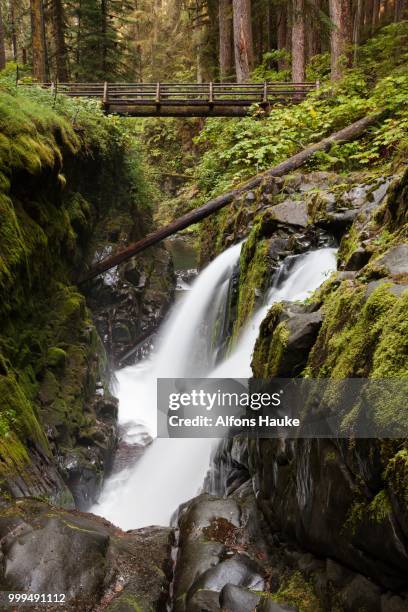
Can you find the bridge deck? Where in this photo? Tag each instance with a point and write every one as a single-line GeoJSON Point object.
{"type": "Point", "coordinates": [185, 99]}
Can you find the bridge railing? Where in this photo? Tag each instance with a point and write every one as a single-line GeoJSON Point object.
{"type": "Point", "coordinates": [174, 94]}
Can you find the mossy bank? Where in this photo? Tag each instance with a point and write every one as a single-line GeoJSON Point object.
{"type": "Point", "coordinates": [71, 183]}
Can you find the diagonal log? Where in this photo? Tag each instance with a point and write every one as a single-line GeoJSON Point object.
{"type": "Point", "coordinates": [351, 132]}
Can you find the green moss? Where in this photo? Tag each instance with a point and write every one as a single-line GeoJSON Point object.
{"type": "Point", "coordinates": [353, 331]}
{"type": "Point", "coordinates": [396, 476]}
{"type": "Point", "coordinates": [253, 280]}
{"type": "Point", "coordinates": [349, 243]}
{"type": "Point", "coordinates": [390, 355]}
{"type": "Point", "coordinates": [298, 592]}
{"type": "Point", "coordinates": [270, 344]}
{"type": "Point", "coordinates": [56, 357]}
{"type": "Point", "coordinates": [380, 507]}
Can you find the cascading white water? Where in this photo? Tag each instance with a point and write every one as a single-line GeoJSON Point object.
{"type": "Point", "coordinates": [172, 470]}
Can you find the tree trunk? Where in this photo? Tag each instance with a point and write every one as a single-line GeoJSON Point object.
{"type": "Point", "coordinates": [58, 23]}
{"type": "Point", "coordinates": [358, 27]}
{"type": "Point", "coordinates": [375, 16]}
{"type": "Point", "coordinates": [225, 28]}
{"type": "Point", "coordinates": [37, 34]}
{"type": "Point", "coordinates": [340, 37]}
{"type": "Point", "coordinates": [298, 42]}
{"type": "Point", "coordinates": [13, 29]}
{"type": "Point", "coordinates": [400, 10]}
{"type": "Point", "coordinates": [313, 36]}
{"type": "Point", "coordinates": [352, 131]}
{"type": "Point", "coordinates": [243, 43]}
{"type": "Point", "coordinates": [282, 34]}
{"type": "Point", "coordinates": [2, 43]}
{"type": "Point", "coordinates": [104, 39]}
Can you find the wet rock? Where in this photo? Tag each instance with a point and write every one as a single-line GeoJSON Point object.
{"type": "Point", "coordinates": [194, 559]}
{"type": "Point", "coordinates": [393, 603]}
{"type": "Point", "coordinates": [48, 550]}
{"type": "Point", "coordinates": [361, 594]}
{"type": "Point", "coordinates": [358, 259]}
{"type": "Point", "coordinates": [290, 212]}
{"type": "Point", "coordinates": [395, 261]}
{"type": "Point", "coordinates": [268, 605]}
{"type": "Point", "coordinates": [204, 601]}
{"type": "Point", "coordinates": [236, 599]}
{"type": "Point", "coordinates": [216, 548]}
{"type": "Point", "coordinates": [292, 334]}
{"type": "Point", "coordinates": [240, 570]}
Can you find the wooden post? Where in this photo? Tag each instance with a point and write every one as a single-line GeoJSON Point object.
{"type": "Point", "coordinates": [211, 95]}
{"type": "Point", "coordinates": [105, 95]}
{"type": "Point", "coordinates": [265, 93]}
{"type": "Point", "coordinates": [158, 95]}
{"type": "Point", "coordinates": [317, 84]}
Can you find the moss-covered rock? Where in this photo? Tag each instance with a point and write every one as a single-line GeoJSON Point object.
{"type": "Point", "coordinates": [66, 170]}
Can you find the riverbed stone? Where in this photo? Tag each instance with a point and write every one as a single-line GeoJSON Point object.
{"type": "Point", "coordinates": [204, 601]}
{"type": "Point", "coordinates": [269, 605]}
{"type": "Point", "coordinates": [49, 550]}
{"type": "Point", "coordinates": [235, 598]}
{"type": "Point", "coordinates": [291, 212]}
{"type": "Point", "coordinates": [239, 570]}
{"type": "Point", "coordinates": [394, 261]}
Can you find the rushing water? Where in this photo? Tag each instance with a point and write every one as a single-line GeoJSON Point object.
{"type": "Point", "coordinates": [172, 470]}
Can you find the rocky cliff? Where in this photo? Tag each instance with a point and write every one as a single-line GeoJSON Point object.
{"type": "Point", "coordinates": [71, 186]}
{"type": "Point", "coordinates": [343, 501]}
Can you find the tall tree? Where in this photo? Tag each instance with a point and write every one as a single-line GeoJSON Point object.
{"type": "Point", "coordinates": [243, 43]}
{"type": "Point", "coordinates": [61, 58]}
{"type": "Point", "coordinates": [13, 30]}
{"type": "Point", "coordinates": [298, 41]}
{"type": "Point", "coordinates": [225, 30]}
{"type": "Point", "coordinates": [283, 33]}
{"type": "Point", "coordinates": [38, 42]}
{"type": "Point", "coordinates": [340, 36]}
{"type": "Point", "coordinates": [2, 43]}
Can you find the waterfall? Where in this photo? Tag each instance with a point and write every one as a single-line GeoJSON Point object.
{"type": "Point", "coordinates": [172, 470]}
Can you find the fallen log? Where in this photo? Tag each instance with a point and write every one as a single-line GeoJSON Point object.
{"type": "Point", "coordinates": [351, 132]}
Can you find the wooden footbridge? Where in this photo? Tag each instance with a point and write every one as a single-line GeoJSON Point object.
{"type": "Point", "coordinates": [185, 99]}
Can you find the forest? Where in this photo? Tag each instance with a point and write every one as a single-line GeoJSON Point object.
{"type": "Point", "coordinates": [201, 40]}
{"type": "Point", "coordinates": [289, 278]}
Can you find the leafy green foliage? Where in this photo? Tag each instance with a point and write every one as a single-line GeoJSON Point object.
{"type": "Point", "coordinates": [236, 149]}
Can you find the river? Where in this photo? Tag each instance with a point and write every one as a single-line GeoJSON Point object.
{"type": "Point", "coordinates": [172, 470]}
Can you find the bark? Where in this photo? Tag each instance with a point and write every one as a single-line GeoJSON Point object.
{"type": "Point", "coordinates": [58, 23]}
{"type": "Point", "coordinates": [375, 16]}
{"type": "Point", "coordinates": [351, 132]}
{"type": "Point", "coordinates": [400, 10]}
{"type": "Point", "coordinates": [37, 34]}
{"type": "Point", "coordinates": [243, 42]}
{"type": "Point", "coordinates": [282, 32]}
{"type": "Point", "coordinates": [104, 28]}
{"type": "Point", "coordinates": [13, 31]}
{"type": "Point", "coordinates": [340, 36]}
{"type": "Point", "coordinates": [298, 42]}
{"type": "Point", "coordinates": [313, 30]}
{"type": "Point", "coordinates": [2, 43]}
{"type": "Point", "coordinates": [358, 27]}
{"type": "Point", "coordinates": [225, 29]}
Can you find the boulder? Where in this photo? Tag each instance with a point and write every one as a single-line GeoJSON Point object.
{"type": "Point", "coordinates": [394, 261]}
{"type": "Point", "coordinates": [290, 212]}
{"type": "Point", "coordinates": [236, 599]}
{"type": "Point", "coordinates": [361, 594]}
{"type": "Point", "coordinates": [240, 570]}
{"type": "Point", "coordinates": [49, 550]}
